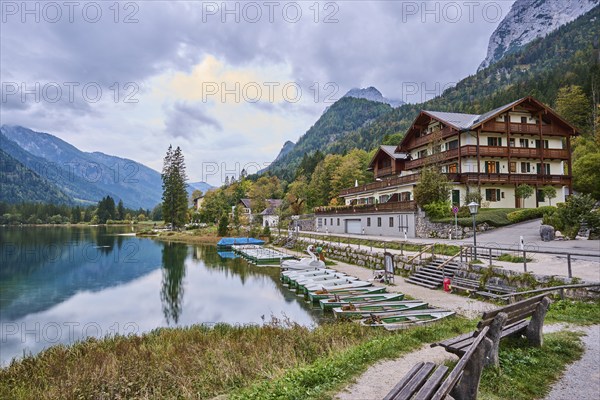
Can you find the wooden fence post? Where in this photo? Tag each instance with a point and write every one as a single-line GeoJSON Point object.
{"type": "Point", "coordinates": [569, 265]}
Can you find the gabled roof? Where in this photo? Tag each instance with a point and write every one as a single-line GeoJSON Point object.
{"type": "Point", "coordinates": [457, 120]}
{"type": "Point", "coordinates": [274, 204]}
{"type": "Point", "coordinates": [390, 151]}
{"type": "Point", "coordinates": [245, 202]}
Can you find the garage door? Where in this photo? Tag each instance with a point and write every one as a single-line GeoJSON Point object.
{"type": "Point", "coordinates": [353, 226]}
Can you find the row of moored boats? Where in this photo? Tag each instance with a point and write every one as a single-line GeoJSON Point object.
{"type": "Point", "coordinates": [349, 297]}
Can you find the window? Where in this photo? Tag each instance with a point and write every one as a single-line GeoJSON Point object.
{"type": "Point", "coordinates": [525, 167]}
{"type": "Point", "coordinates": [538, 144]}
{"type": "Point", "coordinates": [492, 194]}
{"type": "Point", "coordinates": [338, 222]}
{"type": "Point", "coordinates": [384, 198]}
{"type": "Point", "coordinates": [405, 196]}
{"type": "Point", "coordinates": [423, 153]}
{"type": "Point", "coordinates": [542, 167]}
{"type": "Point", "coordinates": [494, 141]}
{"type": "Point", "coordinates": [523, 120]}
{"type": "Point", "coordinates": [319, 222]}
{"type": "Point", "coordinates": [368, 221]}
{"type": "Point", "coordinates": [492, 167]}
{"type": "Point", "coordinates": [540, 196]}
{"type": "Point", "coordinates": [452, 145]}
{"type": "Point", "coordinates": [511, 142]}
{"type": "Point", "coordinates": [325, 221]}
{"type": "Point", "coordinates": [524, 142]}
{"type": "Point", "coordinates": [378, 221]}
{"type": "Point", "coordinates": [391, 223]}
{"type": "Point", "coordinates": [331, 222]}
{"type": "Point", "coordinates": [452, 168]}
{"type": "Point", "coordinates": [512, 167]}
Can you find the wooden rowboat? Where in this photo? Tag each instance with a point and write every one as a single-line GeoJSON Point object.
{"type": "Point", "coordinates": [317, 295]}
{"type": "Point", "coordinates": [381, 309]}
{"type": "Point", "coordinates": [405, 320]}
{"type": "Point", "coordinates": [329, 304]}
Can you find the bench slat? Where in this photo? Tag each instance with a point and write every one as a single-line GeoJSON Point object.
{"type": "Point", "coordinates": [512, 307]}
{"type": "Point", "coordinates": [413, 385]}
{"type": "Point", "coordinates": [513, 316]}
{"type": "Point", "coordinates": [432, 383]}
{"type": "Point", "coordinates": [452, 341]}
{"type": "Point", "coordinates": [409, 375]}
{"type": "Point", "coordinates": [456, 373]}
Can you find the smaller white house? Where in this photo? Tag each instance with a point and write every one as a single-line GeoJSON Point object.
{"type": "Point", "coordinates": [270, 214]}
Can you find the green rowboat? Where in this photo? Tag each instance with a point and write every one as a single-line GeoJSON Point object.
{"type": "Point", "coordinates": [381, 309]}
{"type": "Point", "coordinates": [329, 304]}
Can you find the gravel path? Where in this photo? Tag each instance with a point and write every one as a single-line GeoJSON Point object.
{"type": "Point", "coordinates": [581, 379]}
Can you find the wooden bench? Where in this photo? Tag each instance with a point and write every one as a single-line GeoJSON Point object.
{"type": "Point", "coordinates": [469, 285]}
{"type": "Point", "coordinates": [424, 381]}
{"type": "Point", "coordinates": [514, 321]}
{"type": "Point", "coordinates": [496, 291]}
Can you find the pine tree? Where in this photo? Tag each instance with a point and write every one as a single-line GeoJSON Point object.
{"type": "Point", "coordinates": [120, 211]}
{"type": "Point", "coordinates": [174, 188]}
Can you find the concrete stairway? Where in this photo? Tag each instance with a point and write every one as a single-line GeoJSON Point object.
{"type": "Point", "coordinates": [430, 276]}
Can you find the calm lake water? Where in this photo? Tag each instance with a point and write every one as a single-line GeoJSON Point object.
{"type": "Point", "coordinates": [60, 285]}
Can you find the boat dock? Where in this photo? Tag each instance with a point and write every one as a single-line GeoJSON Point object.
{"type": "Point", "coordinates": [259, 255]}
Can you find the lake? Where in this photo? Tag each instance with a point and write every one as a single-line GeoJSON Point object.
{"type": "Point", "coordinates": [63, 284]}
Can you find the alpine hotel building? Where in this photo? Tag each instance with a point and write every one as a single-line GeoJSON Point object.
{"type": "Point", "coordinates": [524, 142]}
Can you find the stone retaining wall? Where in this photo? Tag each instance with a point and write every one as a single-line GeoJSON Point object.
{"type": "Point", "coordinates": [363, 257]}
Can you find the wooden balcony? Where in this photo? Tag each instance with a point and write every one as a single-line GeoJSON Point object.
{"type": "Point", "coordinates": [380, 184]}
{"type": "Point", "coordinates": [381, 172]}
{"type": "Point", "coordinates": [530, 129]}
{"type": "Point", "coordinates": [432, 159]}
{"type": "Point", "coordinates": [517, 152]}
{"type": "Point", "coordinates": [396, 206]}
{"type": "Point", "coordinates": [530, 179]}
{"type": "Point", "coordinates": [425, 139]}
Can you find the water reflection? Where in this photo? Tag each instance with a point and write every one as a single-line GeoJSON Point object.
{"type": "Point", "coordinates": [60, 285]}
{"type": "Point", "coordinates": [173, 272]}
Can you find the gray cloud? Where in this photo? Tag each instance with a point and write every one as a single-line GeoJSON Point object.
{"type": "Point", "coordinates": [188, 120]}
{"type": "Point", "coordinates": [374, 43]}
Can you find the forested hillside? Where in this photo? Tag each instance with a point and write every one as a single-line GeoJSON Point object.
{"type": "Point", "coordinates": [20, 184]}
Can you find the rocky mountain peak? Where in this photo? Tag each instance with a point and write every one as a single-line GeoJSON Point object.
{"type": "Point", "coordinates": [530, 19]}
{"type": "Point", "coordinates": [371, 93]}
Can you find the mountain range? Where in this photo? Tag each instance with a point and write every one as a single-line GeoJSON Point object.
{"type": "Point", "coordinates": [52, 170]}
{"type": "Point", "coordinates": [565, 56]}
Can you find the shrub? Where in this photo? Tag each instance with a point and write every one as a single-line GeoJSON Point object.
{"type": "Point", "coordinates": [433, 187]}
{"type": "Point", "coordinates": [438, 209]}
{"type": "Point", "coordinates": [529, 213]}
{"type": "Point", "coordinates": [569, 216]}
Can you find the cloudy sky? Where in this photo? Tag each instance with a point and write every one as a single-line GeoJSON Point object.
{"type": "Point", "coordinates": [228, 82]}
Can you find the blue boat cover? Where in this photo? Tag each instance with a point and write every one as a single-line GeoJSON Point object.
{"type": "Point", "coordinates": [227, 254]}
{"type": "Point", "coordinates": [240, 240]}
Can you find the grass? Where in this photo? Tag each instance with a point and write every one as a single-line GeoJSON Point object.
{"type": "Point", "coordinates": [528, 372]}
{"type": "Point", "coordinates": [492, 216]}
{"type": "Point", "coordinates": [574, 312]}
{"type": "Point", "coordinates": [444, 249]}
{"type": "Point", "coordinates": [513, 259]}
{"type": "Point", "coordinates": [200, 362]}
{"type": "Point", "coordinates": [327, 375]}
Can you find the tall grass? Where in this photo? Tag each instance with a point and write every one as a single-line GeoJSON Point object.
{"type": "Point", "coordinates": [197, 362]}
{"type": "Point", "coordinates": [200, 362]}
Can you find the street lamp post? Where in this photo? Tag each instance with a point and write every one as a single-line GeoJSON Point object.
{"type": "Point", "coordinates": [473, 206]}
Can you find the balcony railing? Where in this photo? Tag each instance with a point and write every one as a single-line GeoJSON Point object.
{"type": "Point", "coordinates": [422, 140]}
{"type": "Point", "coordinates": [381, 184]}
{"type": "Point", "coordinates": [368, 208]}
{"type": "Point", "coordinates": [383, 172]}
{"type": "Point", "coordinates": [531, 129]}
{"type": "Point", "coordinates": [473, 177]}
{"type": "Point", "coordinates": [517, 152]}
